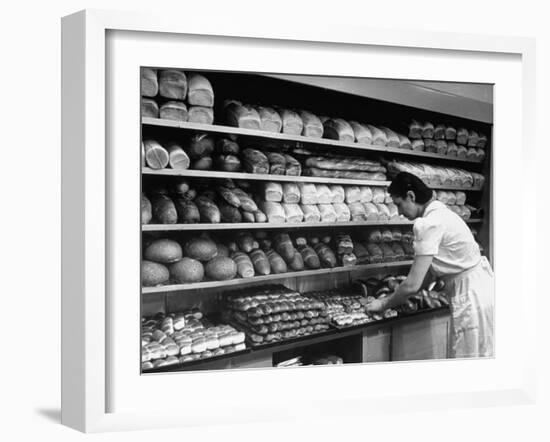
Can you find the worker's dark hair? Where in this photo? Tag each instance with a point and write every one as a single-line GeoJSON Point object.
{"type": "Point", "coordinates": [405, 181]}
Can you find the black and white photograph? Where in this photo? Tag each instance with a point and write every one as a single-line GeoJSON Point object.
{"type": "Point", "coordinates": [292, 220]}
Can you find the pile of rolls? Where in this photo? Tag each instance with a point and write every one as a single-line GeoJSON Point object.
{"type": "Point", "coordinates": [172, 94]}
{"type": "Point", "coordinates": [345, 308]}
{"type": "Point", "coordinates": [184, 336]}
{"type": "Point", "coordinates": [446, 140]}
{"type": "Point", "coordinates": [274, 313]}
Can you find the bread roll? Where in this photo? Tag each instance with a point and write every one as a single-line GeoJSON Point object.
{"type": "Point", "coordinates": [415, 130]}
{"type": "Point", "coordinates": [273, 192]}
{"type": "Point", "coordinates": [293, 213]}
{"type": "Point", "coordinates": [428, 130]}
{"type": "Point", "coordinates": [173, 84]}
{"type": "Point", "coordinates": [308, 193]}
{"type": "Point", "coordinates": [404, 142]}
{"type": "Point", "coordinates": [274, 211]}
{"type": "Point", "coordinates": [200, 114]}
{"type": "Point", "coordinates": [361, 133]}
{"type": "Point", "coordinates": [270, 120]}
{"type": "Point", "coordinates": [324, 195]}
{"type": "Point", "coordinates": [462, 136]}
{"type": "Point", "coordinates": [292, 123]}
{"type": "Point", "coordinates": [174, 110]}
{"type": "Point", "coordinates": [328, 215]}
{"type": "Point", "coordinates": [418, 145]}
{"type": "Point", "coordinates": [378, 136]}
{"type": "Point", "coordinates": [291, 193]}
{"type": "Point", "coordinates": [473, 139]}
{"type": "Point", "coordinates": [149, 108]}
{"type": "Point", "coordinates": [149, 82]}
{"type": "Point", "coordinates": [439, 132]}
{"type": "Point", "coordinates": [156, 156]}
{"type": "Point", "coordinates": [353, 194]}
{"type": "Point", "coordinates": [343, 214]}
{"type": "Point", "coordinates": [178, 159]}
{"type": "Point", "coordinates": [242, 115]}
{"type": "Point", "coordinates": [311, 213]}
{"type": "Point", "coordinates": [338, 129]}
{"type": "Point", "coordinates": [391, 137]}
{"type": "Point", "coordinates": [450, 133]}
{"type": "Point", "coordinates": [312, 125]}
{"type": "Point", "coordinates": [200, 92]}
{"type": "Point", "coordinates": [338, 194]}
{"type": "Point", "coordinates": [441, 147]}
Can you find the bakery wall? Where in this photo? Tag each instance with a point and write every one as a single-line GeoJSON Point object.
{"type": "Point", "coordinates": [30, 76]}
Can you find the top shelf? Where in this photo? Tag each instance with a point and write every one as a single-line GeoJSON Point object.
{"type": "Point", "coordinates": [297, 138]}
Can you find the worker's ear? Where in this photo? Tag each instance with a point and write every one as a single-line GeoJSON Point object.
{"type": "Point", "coordinates": [411, 195]}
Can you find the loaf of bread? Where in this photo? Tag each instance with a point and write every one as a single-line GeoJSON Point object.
{"type": "Point", "coordinates": [324, 195]}
{"type": "Point", "coordinates": [276, 262]}
{"type": "Point", "coordinates": [242, 115]}
{"type": "Point", "coordinates": [153, 274]}
{"type": "Point", "coordinates": [351, 174]}
{"type": "Point", "coordinates": [188, 212]}
{"type": "Point", "coordinates": [283, 246]}
{"type": "Point", "coordinates": [343, 213]}
{"type": "Point", "coordinates": [273, 191]}
{"type": "Point", "coordinates": [291, 193]}
{"type": "Point", "coordinates": [208, 210]}
{"type": "Point", "coordinates": [353, 194]}
{"type": "Point", "coordinates": [375, 235]}
{"type": "Point", "coordinates": [254, 161]}
{"type": "Point", "coordinates": [404, 142]}
{"type": "Point", "coordinates": [361, 133]}
{"type": "Point", "coordinates": [270, 120]}
{"type": "Point", "coordinates": [308, 193]}
{"type": "Point", "coordinates": [200, 92]}
{"type": "Point", "coordinates": [480, 154]}
{"type": "Point", "coordinates": [229, 196]}
{"type": "Point", "coordinates": [149, 108]}
{"type": "Point", "coordinates": [451, 198]}
{"type": "Point", "coordinates": [398, 250]}
{"type": "Point", "coordinates": [260, 262]}
{"type": "Point", "coordinates": [371, 211]}
{"type": "Point", "coordinates": [473, 138]}
{"type": "Point", "coordinates": [245, 242]}
{"type": "Point", "coordinates": [439, 132]}
{"type": "Point", "coordinates": [378, 136]}
{"type": "Point", "coordinates": [173, 84]}
{"type": "Point", "coordinates": [452, 149]}
{"type": "Point", "coordinates": [338, 129]}
{"type": "Point", "coordinates": [309, 256]}
{"type": "Point", "coordinates": [174, 110]}
{"type": "Point", "coordinates": [246, 202]}
{"type": "Point", "coordinates": [277, 163]}
{"type": "Point", "coordinates": [149, 82]}
{"type": "Point", "coordinates": [293, 213]}
{"type": "Point", "coordinates": [450, 133]}
{"type": "Point", "coordinates": [178, 159]}
{"type": "Point", "coordinates": [365, 194]}
{"type": "Point", "coordinates": [428, 130]}
{"type": "Point", "coordinates": [227, 147]}
{"type": "Point", "coordinates": [164, 210]}
{"type": "Point", "coordinates": [442, 195]}
{"type": "Point", "coordinates": [156, 156]}
{"type": "Point", "coordinates": [337, 193]}
{"type": "Point", "coordinates": [383, 212]}
{"type": "Point", "coordinates": [146, 209]}
{"type": "Point", "coordinates": [441, 147]}
{"type": "Point", "coordinates": [394, 212]}
{"type": "Point", "coordinates": [325, 254]}
{"type": "Point", "coordinates": [391, 137]}
{"type": "Point", "coordinates": [293, 166]}
{"type": "Point", "coordinates": [200, 114]}
{"type": "Point", "coordinates": [291, 122]}
{"type": "Point", "coordinates": [386, 235]}
{"type": "Point", "coordinates": [228, 163]}
{"type": "Point", "coordinates": [343, 244]}
{"type": "Point", "coordinates": [418, 144]}
{"type": "Point", "coordinates": [344, 163]}
{"type": "Point", "coordinates": [357, 212]}
{"type": "Point", "coordinates": [297, 262]}
{"type": "Point", "coordinates": [199, 145]}
{"type": "Point", "coordinates": [429, 145]}
{"type": "Point", "coordinates": [274, 211]}
{"type": "Point", "coordinates": [461, 152]}
{"type": "Point", "coordinates": [460, 198]}
{"type": "Point", "coordinates": [415, 130]}
{"type": "Point", "coordinates": [462, 136]}
{"type": "Point", "coordinates": [378, 195]}
{"type": "Point", "coordinates": [472, 154]}
{"type": "Point", "coordinates": [259, 216]}
{"type": "Point", "coordinates": [482, 141]}
{"type": "Point", "coordinates": [311, 213]}
{"type": "Point", "coordinates": [328, 215]}
{"type": "Point", "coordinates": [228, 213]}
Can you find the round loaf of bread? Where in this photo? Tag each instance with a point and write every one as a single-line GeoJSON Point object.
{"type": "Point", "coordinates": [153, 274]}
{"type": "Point", "coordinates": [221, 268]}
{"type": "Point", "coordinates": [187, 270]}
{"type": "Point", "coordinates": [165, 251]}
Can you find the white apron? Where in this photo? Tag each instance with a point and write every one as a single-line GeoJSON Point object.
{"type": "Point", "coordinates": [471, 298]}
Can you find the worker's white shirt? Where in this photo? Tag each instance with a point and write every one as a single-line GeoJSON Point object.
{"type": "Point", "coordinates": [442, 233]}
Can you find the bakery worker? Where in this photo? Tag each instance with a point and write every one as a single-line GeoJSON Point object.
{"type": "Point", "coordinates": [444, 244]}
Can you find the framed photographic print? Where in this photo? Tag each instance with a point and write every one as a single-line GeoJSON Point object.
{"type": "Point", "coordinates": [254, 215]}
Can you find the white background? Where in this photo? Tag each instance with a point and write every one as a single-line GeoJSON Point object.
{"type": "Point", "coordinates": [30, 82]}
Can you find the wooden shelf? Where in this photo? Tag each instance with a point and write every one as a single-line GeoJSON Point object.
{"type": "Point", "coordinates": [296, 138]}
{"type": "Point", "coordinates": [188, 173]}
{"type": "Point", "coordinates": [266, 278]}
{"type": "Point", "coordinates": [271, 226]}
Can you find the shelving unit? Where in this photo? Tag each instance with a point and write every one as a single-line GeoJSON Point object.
{"type": "Point", "coordinates": [345, 94]}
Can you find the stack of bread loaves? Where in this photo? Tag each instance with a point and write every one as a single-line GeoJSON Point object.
{"type": "Point", "coordinates": [436, 175]}
{"type": "Point", "coordinates": [185, 336]}
{"type": "Point", "coordinates": [456, 201]}
{"type": "Point", "coordinates": [274, 313]}
{"type": "Point", "coordinates": [182, 96]}
{"type": "Point", "coordinates": [446, 140]}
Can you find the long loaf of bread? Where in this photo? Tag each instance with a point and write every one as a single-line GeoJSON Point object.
{"type": "Point", "coordinates": [341, 163]}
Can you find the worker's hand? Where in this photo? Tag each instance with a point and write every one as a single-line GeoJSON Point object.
{"type": "Point", "coordinates": [376, 306]}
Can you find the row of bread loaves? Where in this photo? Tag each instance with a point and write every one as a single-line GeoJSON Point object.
{"type": "Point", "coordinates": [462, 136]}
